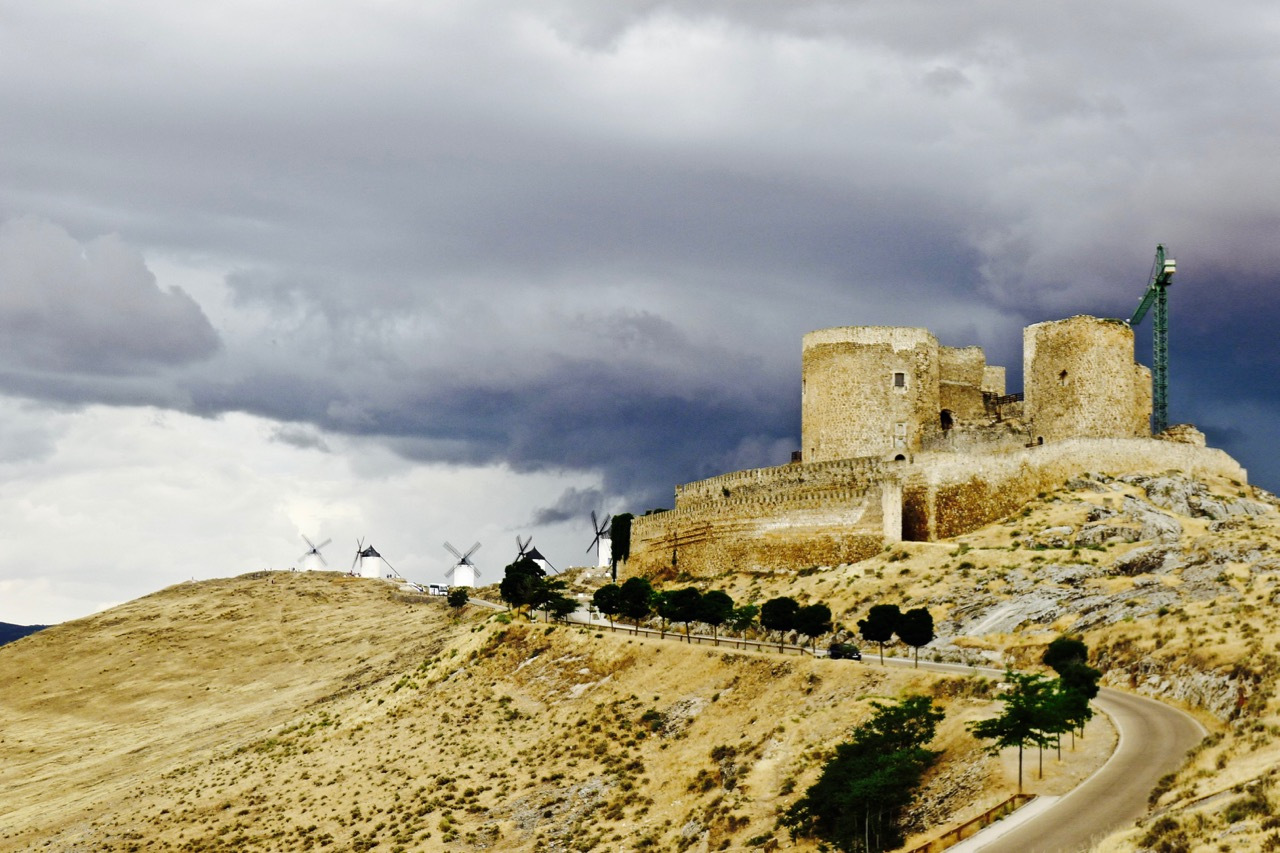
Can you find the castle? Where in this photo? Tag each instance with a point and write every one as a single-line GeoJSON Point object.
{"type": "Point", "coordinates": [903, 438]}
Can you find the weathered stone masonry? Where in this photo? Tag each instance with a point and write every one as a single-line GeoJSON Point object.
{"type": "Point", "coordinates": [902, 438]}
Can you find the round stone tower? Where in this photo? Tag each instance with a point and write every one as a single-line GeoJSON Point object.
{"type": "Point", "coordinates": [1081, 381]}
{"type": "Point", "coordinates": [868, 391]}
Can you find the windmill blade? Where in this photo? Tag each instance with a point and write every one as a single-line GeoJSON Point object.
{"type": "Point", "coordinates": [310, 544]}
{"type": "Point", "coordinates": [356, 558]}
{"type": "Point", "coordinates": [594, 543]}
{"type": "Point", "coordinates": [474, 548]}
{"type": "Point", "coordinates": [476, 571]}
{"type": "Point", "coordinates": [604, 525]}
{"type": "Point", "coordinates": [449, 573]}
{"type": "Point", "coordinates": [321, 558]}
{"type": "Point", "coordinates": [454, 551]}
{"type": "Point", "coordinates": [318, 547]}
{"type": "Point", "coordinates": [595, 525]}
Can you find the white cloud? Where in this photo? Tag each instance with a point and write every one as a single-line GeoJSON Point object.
{"type": "Point", "coordinates": [131, 500]}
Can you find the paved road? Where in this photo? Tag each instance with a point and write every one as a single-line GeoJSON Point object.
{"type": "Point", "coordinates": [1153, 740]}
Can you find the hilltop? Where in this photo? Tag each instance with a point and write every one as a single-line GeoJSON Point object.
{"type": "Point", "coordinates": [299, 710]}
{"type": "Point", "coordinates": [314, 710]}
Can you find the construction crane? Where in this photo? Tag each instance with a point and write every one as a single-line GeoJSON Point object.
{"type": "Point", "coordinates": [1157, 294]}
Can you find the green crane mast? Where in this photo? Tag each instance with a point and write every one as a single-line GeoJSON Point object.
{"type": "Point", "coordinates": [1158, 294]}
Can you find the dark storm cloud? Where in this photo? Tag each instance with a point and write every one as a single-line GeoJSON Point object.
{"type": "Point", "coordinates": [590, 236]}
{"type": "Point", "coordinates": [572, 505]}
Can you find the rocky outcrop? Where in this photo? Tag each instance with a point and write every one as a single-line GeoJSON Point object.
{"type": "Point", "coordinates": [1219, 693]}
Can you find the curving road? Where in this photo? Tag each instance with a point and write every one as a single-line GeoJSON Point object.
{"type": "Point", "coordinates": [1153, 740]}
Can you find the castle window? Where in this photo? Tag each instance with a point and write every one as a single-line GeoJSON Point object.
{"type": "Point", "coordinates": [946, 419]}
{"type": "Point", "coordinates": [900, 435]}
{"type": "Point", "coordinates": [899, 380]}
{"type": "Point", "coordinates": [1062, 379]}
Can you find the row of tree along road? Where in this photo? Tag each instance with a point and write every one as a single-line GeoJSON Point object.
{"type": "Point", "coordinates": [637, 601]}
{"type": "Point", "coordinates": [525, 585]}
{"type": "Point", "coordinates": [858, 802]}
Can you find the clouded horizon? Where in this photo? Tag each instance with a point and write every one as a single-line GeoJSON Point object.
{"type": "Point", "coordinates": [466, 270]}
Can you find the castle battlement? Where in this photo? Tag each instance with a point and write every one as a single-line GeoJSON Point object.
{"type": "Point", "coordinates": [903, 438]}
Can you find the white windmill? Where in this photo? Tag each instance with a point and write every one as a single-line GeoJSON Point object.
{"type": "Point", "coordinates": [463, 572]}
{"type": "Point", "coordinates": [602, 543]}
{"type": "Point", "coordinates": [533, 554]}
{"type": "Point", "coordinates": [312, 560]}
{"type": "Point", "coordinates": [368, 563]}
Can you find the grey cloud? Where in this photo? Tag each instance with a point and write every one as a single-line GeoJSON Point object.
{"type": "Point", "coordinates": [299, 437]}
{"type": "Point", "coordinates": [591, 236]}
{"type": "Point", "coordinates": [572, 505]}
{"type": "Point", "coordinates": [93, 308]}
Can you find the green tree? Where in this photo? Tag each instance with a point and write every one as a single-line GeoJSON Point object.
{"type": "Point", "coordinates": [619, 541]}
{"type": "Point", "coordinates": [715, 609]}
{"type": "Point", "coordinates": [743, 619]}
{"type": "Point", "coordinates": [549, 597]}
{"type": "Point", "coordinates": [521, 583]}
{"type": "Point", "coordinates": [1026, 716]}
{"type": "Point", "coordinates": [915, 628]}
{"type": "Point", "coordinates": [779, 614]}
{"type": "Point", "coordinates": [860, 796]}
{"type": "Point", "coordinates": [878, 627]}
{"type": "Point", "coordinates": [637, 600]}
{"type": "Point", "coordinates": [458, 597]}
{"type": "Point", "coordinates": [560, 607]}
{"type": "Point", "coordinates": [813, 621]}
{"type": "Point", "coordinates": [684, 606]}
{"type": "Point", "coordinates": [662, 606]}
{"type": "Point", "coordinates": [608, 600]}
{"type": "Point", "coordinates": [1068, 656]}
{"type": "Point", "coordinates": [1065, 651]}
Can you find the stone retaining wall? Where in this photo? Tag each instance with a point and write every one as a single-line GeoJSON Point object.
{"type": "Point", "coordinates": [828, 513]}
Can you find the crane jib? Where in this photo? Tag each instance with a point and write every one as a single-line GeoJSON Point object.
{"type": "Point", "coordinates": [1157, 294]}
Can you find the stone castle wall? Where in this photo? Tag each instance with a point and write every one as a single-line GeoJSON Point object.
{"type": "Point", "coordinates": [867, 391]}
{"type": "Point", "coordinates": [1081, 381]}
{"type": "Point", "coordinates": [960, 381]}
{"type": "Point", "coordinates": [796, 516]}
{"type": "Point", "coordinates": [949, 494]}
{"type": "Point", "coordinates": [902, 438]}
{"type": "Point", "coordinates": [823, 513]}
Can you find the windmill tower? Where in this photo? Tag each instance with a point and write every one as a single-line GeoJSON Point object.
{"type": "Point", "coordinates": [602, 543]}
{"type": "Point", "coordinates": [463, 572]}
{"type": "Point", "coordinates": [368, 563]}
{"type": "Point", "coordinates": [313, 560]}
{"type": "Point", "coordinates": [533, 554]}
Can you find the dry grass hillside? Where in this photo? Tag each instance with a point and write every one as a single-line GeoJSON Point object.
{"type": "Point", "coordinates": [289, 711]}
{"type": "Point", "coordinates": [1173, 583]}
{"type": "Point", "coordinates": [292, 711]}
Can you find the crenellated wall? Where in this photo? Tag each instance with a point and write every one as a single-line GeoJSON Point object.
{"type": "Point", "coordinates": [798, 515]}
{"type": "Point", "coordinates": [902, 438]}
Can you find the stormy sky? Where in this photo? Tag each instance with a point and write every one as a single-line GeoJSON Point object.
{"type": "Point", "coordinates": [424, 271]}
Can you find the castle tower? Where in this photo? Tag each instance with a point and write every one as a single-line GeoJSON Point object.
{"type": "Point", "coordinates": [1081, 380]}
{"type": "Point", "coordinates": [868, 391]}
